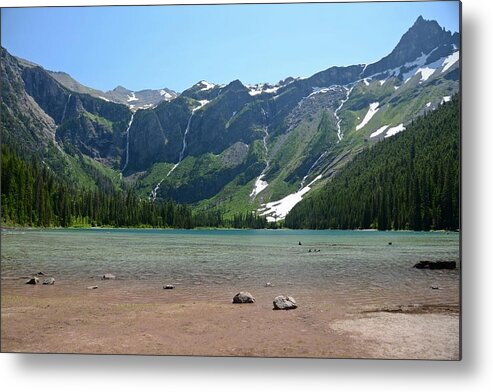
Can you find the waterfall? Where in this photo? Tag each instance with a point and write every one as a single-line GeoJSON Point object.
{"type": "Point", "coordinates": [302, 184]}
{"type": "Point", "coordinates": [65, 108]}
{"type": "Point", "coordinates": [340, 135]}
{"type": "Point", "coordinates": [260, 183]}
{"type": "Point", "coordinates": [153, 194]}
{"type": "Point", "coordinates": [127, 132]}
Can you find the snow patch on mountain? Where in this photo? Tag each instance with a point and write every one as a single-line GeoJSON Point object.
{"type": "Point", "coordinates": [202, 102]}
{"type": "Point", "coordinates": [450, 60]}
{"type": "Point", "coordinates": [132, 97]}
{"type": "Point", "coordinates": [379, 131]}
{"type": "Point", "coordinates": [276, 210]}
{"type": "Point", "coordinates": [206, 85]}
{"type": "Point", "coordinates": [395, 130]}
{"type": "Point", "coordinates": [167, 96]}
{"type": "Point", "coordinates": [371, 112]}
{"type": "Point", "coordinates": [104, 99]}
{"type": "Point", "coordinates": [260, 185]}
{"type": "Point", "coordinates": [322, 90]}
{"type": "Point", "coordinates": [426, 73]}
{"type": "Point", "coordinates": [261, 88]}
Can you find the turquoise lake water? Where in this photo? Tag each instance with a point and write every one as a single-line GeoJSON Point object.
{"type": "Point", "coordinates": [355, 266]}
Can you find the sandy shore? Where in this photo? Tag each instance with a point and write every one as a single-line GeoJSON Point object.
{"type": "Point", "coordinates": [63, 318]}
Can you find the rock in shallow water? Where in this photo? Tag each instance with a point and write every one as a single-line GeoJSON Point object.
{"type": "Point", "coordinates": [243, 297]}
{"type": "Point", "coordinates": [108, 276]}
{"type": "Point", "coordinates": [33, 280]}
{"type": "Point", "coordinates": [92, 287]}
{"type": "Point", "coordinates": [49, 281]}
{"type": "Point", "coordinates": [435, 265]}
{"type": "Point", "coordinates": [284, 302]}
{"type": "Point", "coordinates": [168, 287]}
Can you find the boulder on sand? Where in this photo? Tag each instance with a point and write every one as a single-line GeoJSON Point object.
{"type": "Point", "coordinates": [284, 302]}
{"type": "Point", "coordinates": [92, 287]}
{"type": "Point", "coordinates": [168, 287]}
{"type": "Point", "coordinates": [49, 281]}
{"type": "Point", "coordinates": [243, 297]}
{"type": "Point", "coordinates": [108, 276]}
{"type": "Point", "coordinates": [33, 280]}
{"type": "Point", "coordinates": [435, 265]}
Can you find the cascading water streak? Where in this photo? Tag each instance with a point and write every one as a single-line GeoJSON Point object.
{"type": "Point", "coordinates": [127, 132]}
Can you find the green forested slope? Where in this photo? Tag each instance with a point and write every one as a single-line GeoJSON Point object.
{"type": "Point", "coordinates": [34, 195]}
{"type": "Point", "coordinates": [410, 181]}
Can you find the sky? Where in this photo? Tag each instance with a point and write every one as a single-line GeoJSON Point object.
{"type": "Point", "coordinates": [177, 46]}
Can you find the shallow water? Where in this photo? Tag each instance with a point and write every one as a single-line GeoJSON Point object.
{"type": "Point", "coordinates": [356, 267]}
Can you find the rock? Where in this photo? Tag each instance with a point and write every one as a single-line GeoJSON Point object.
{"type": "Point", "coordinates": [284, 302]}
{"type": "Point", "coordinates": [168, 287]}
{"type": "Point", "coordinates": [49, 281]}
{"type": "Point", "coordinates": [108, 276]}
{"type": "Point", "coordinates": [33, 280]}
{"type": "Point", "coordinates": [40, 274]}
{"type": "Point", "coordinates": [243, 297]}
{"type": "Point", "coordinates": [269, 284]}
{"type": "Point", "coordinates": [434, 287]}
{"type": "Point", "coordinates": [435, 265]}
{"type": "Point", "coordinates": [390, 243]}
{"type": "Point", "coordinates": [299, 242]}
{"type": "Point", "coordinates": [92, 287]}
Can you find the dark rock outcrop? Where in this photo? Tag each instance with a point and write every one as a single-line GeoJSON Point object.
{"type": "Point", "coordinates": [433, 265]}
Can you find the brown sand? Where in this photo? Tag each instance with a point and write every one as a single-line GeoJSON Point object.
{"type": "Point", "coordinates": [64, 318]}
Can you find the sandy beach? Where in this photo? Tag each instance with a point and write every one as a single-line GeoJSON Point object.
{"type": "Point", "coordinates": [124, 318]}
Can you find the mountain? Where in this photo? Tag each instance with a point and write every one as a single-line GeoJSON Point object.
{"type": "Point", "coordinates": [230, 148]}
{"type": "Point", "coordinates": [142, 99]}
{"type": "Point", "coordinates": [410, 182]}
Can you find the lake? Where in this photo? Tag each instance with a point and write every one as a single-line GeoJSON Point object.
{"type": "Point", "coordinates": [354, 267]}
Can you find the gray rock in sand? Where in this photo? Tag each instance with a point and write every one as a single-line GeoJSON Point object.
{"type": "Point", "coordinates": [284, 302]}
{"type": "Point", "coordinates": [49, 281]}
{"type": "Point", "coordinates": [108, 276]}
{"type": "Point", "coordinates": [168, 287]}
{"type": "Point", "coordinates": [243, 297]}
{"type": "Point", "coordinates": [33, 280]}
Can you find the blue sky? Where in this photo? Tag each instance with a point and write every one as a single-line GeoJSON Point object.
{"type": "Point", "coordinates": [176, 46]}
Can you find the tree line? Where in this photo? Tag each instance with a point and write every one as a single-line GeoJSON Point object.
{"type": "Point", "coordinates": [408, 182]}
{"type": "Point", "coordinates": [33, 195]}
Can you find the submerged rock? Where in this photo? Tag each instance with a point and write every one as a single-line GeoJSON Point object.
{"type": "Point", "coordinates": [33, 280]}
{"type": "Point", "coordinates": [108, 276]}
{"type": "Point", "coordinates": [243, 297]}
{"type": "Point", "coordinates": [284, 302]}
{"type": "Point", "coordinates": [49, 281]}
{"type": "Point", "coordinates": [435, 265]}
{"type": "Point", "coordinates": [168, 287]}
